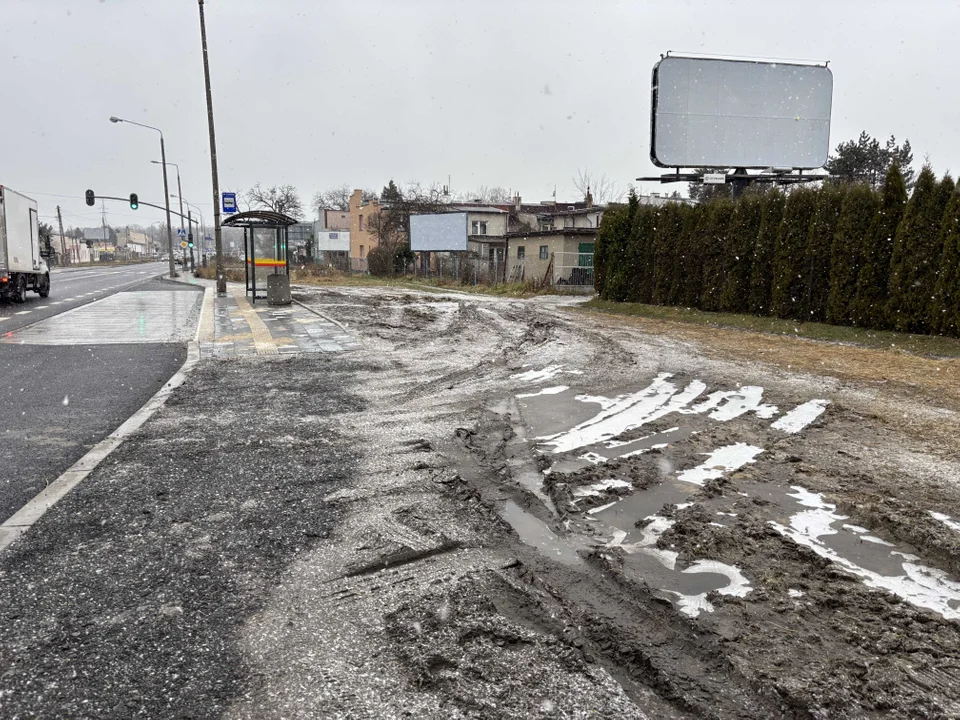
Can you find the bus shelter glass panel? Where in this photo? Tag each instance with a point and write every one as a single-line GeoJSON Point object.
{"type": "Point", "coordinates": [266, 255]}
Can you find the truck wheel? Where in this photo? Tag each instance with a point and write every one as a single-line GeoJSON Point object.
{"type": "Point", "coordinates": [20, 292]}
{"type": "Point", "coordinates": [43, 287]}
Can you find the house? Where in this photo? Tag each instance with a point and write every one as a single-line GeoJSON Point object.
{"type": "Point", "coordinates": [553, 242]}
{"type": "Point", "coordinates": [336, 220]}
{"type": "Point", "coordinates": [363, 225]}
{"type": "Point", "coordinates": [487, 227]}
{"type": "Point", "coordinates": [561, 256]}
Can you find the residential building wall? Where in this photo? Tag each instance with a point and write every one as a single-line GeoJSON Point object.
{"type": "Point", "coordinates": [533, 252]}
{"type": "Point", "coordinates": [334, 220]}
{"type": "Point", "coordinates": [361, 214]}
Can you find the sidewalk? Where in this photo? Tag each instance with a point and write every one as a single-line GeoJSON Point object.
{"type": "Point", "coordinates": [240, 327]}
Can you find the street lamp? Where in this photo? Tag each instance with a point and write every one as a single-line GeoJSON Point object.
{"type": "Point", "coordinates": [166, 188]}
{"type": "Point", "coordinates": [203, 222]}
{"type": "Point", "coordinates": [179, 191]}
{"type": "Point", "coordinates": [221, 278]}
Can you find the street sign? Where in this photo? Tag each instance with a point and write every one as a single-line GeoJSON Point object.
{"type": "Point", "coordinates": [183, 243]}
{"type": "Point", "coordinates": [181, 232]}
{"type": "Point", "coordinates": [714, 178]}
{"type": "Point", "coordinates": [229, 202]}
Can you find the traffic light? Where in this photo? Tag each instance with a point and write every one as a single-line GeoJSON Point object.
{"type": "Point", "coordinates": [91, 198]}
{"type": "Point", "coordinates": [134, 201]}
{"type": "Point", "coordinates": [190, 240]}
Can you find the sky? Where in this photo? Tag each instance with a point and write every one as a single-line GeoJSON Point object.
{"type": "Point", "coordinates": [519, 94]}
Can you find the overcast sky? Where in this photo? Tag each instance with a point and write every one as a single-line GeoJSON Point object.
{"type": "Point", "coordinates": [518, 94]}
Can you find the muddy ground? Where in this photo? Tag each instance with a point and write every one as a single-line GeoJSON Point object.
{"type": "Point", "coordinates": [508, 509]}
{"type": "Point", "coordinates": [807, 570]}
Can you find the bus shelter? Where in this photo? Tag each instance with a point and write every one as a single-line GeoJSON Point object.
{"type": "Point", "coordinates": [266, 262]}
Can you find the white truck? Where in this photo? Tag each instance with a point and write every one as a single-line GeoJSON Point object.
{"type": "Point", "coordinates": [22, 267]}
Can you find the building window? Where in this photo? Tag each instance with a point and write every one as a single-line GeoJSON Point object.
{"type": "Point", "coordinates": [479, 227]}
{"type": "Point", "coordinates": [361, 226]}
{"type": "Point", "coordinates": [546, 224]}
{"type": "Point", "coordinates": [521, 252]}
{"type": "Point", "coordinates": [544, 252]}
{"type": "Point", "coordinates": [361, 252]}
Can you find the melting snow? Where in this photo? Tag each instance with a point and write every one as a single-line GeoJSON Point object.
{"type": "Point", "coordinates": [801, 416]}
{"type": "Point", "coordinates": [922, 586]}
{"type": "Point", "coordinates": [721, 460]}
{"type": "Point", "coordinates": [597, 488]}
{"type": "Point", "coordinates": [555, 390]}
{"type": "Point", "coordinates": [547, 373]}
{"type": "Point", "coordinates": [946, 520]}
{"type": "Point", "coordinates": [731, 404]}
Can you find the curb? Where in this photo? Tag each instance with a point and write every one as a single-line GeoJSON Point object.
{"type": "Point", "coordinates": [22, 520]}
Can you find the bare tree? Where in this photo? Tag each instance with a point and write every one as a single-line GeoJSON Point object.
{"type": "Point", "coordinates": [282, 199]}
{"type": "Point", "coordinates": [497, 195]}
{"type": "Point", "coordinates": [603, 189]}
{"type": "Point", "coordinates": [335, 198]}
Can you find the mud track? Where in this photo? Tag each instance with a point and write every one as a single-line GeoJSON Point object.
{"type": "Point", "coordinates": [633, 523]}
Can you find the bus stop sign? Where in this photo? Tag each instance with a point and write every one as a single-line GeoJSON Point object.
{"type": "Point", "coordinates": [229, 202]}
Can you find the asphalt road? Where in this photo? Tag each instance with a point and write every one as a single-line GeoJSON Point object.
{"type": "Point", "coordinates": [71, 288]}
{"type": "Point", "coordinates": [57, 401]}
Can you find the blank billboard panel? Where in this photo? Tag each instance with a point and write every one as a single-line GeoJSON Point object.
{"type": "Point", "coordinates": [737, 113]}
{"type": "Point", "coordinates": [441, 232]}
{"type": "Point", "coordinates": [332, 241]}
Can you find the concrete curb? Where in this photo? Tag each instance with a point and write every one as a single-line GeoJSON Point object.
{"type": "Point", "coordinates": [22, 520]}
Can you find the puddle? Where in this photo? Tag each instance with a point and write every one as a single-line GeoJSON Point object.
{"type": "Point", "coordinates": [879, 564]}
{"type": "Point", "coordinates": [534, 532]}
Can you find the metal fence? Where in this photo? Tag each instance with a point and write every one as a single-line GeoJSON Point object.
{"type": "Point", "coordinates": [573, 269]}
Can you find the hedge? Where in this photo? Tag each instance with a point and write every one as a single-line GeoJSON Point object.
{"type": "Point", "coordinates": [844, 254]}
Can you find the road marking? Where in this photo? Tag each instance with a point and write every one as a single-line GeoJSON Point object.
{"type": "Point", "coordinates": [41, 307]}
{"type": "Point", "coordinates": [24, 312]}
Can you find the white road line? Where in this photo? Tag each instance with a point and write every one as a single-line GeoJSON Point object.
{"type": "Point", "coordinates": [41, 307]}
{"type": "Point", "coordinates": [24, 312]}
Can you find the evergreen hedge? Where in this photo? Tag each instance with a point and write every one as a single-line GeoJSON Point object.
{"type": "Point", "coordinates": [844, 254]}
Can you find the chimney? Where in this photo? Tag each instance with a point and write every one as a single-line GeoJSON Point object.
{"type": "Point", "coordinates": [516, 202]}
{"type": "Point", "coordinates": [589, 198]}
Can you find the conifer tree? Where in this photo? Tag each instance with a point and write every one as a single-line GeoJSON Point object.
{"type": "Point", "coordinates": [665, 245]}
{"type": "Point", "coordinates": [714, 239]}
{"type": "Point", "coordinates": [870, 301]}
{"type": "Point", "coordinates": [859, 210]}
{"type": "Point", "coordinates": [789, 269]}
{"type": "Point", "coordinates": [639, 254]}
{"type": "Point", "coordinates": [946, 316]}
{"type": "Point", "coordinates": [742, 238]}
{"type": "Point", "coordinates": [761, 272]}
{"type": "Point", "coordinates": [916, 255]}
{"type": "Point", "coordinates": [688, 270]}
{"type": "Point", "coordinates": [818, 252]}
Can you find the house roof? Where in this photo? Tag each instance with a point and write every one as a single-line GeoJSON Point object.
{"type": "Point", "coordinates": [558, 231]}
{"type": "Point", "coordinates": [479, 209]}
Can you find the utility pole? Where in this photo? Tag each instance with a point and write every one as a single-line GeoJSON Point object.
{"type": "Point", "coordinates": [190, 238]}
{"type": "Point", "coordinates": [221, 279]}
{"type": "Point", "coordinates": [63, 243]}
{"type": "Point", "coordinates": [103, 222]}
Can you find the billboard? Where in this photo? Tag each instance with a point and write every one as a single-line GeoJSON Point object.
{"type": "Point", "coordinates": [441, 232]}
{"type": "Point", "coordinates": [331, 241]}
{"type": "Point", "coordinates": [709, 112]}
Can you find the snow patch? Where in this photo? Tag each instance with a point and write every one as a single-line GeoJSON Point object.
{"type": "Point", "coordinates": [721, 460]}
{"type": "Point", "coordinates": [946, 520]}
{"type": "Point", "coordinates": [555, 390]}
{"type": "Point", "coordinates": [922, 586]}
{"type": "Point", "coordinates": [598, 488]}
{"type": "Point", "coordinates": [550, 371]}
{"type": "Point", "coordinates": [801, 416]}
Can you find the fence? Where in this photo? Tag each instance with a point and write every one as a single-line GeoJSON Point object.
{"type": "Point", "coordinates": [573, 269]}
